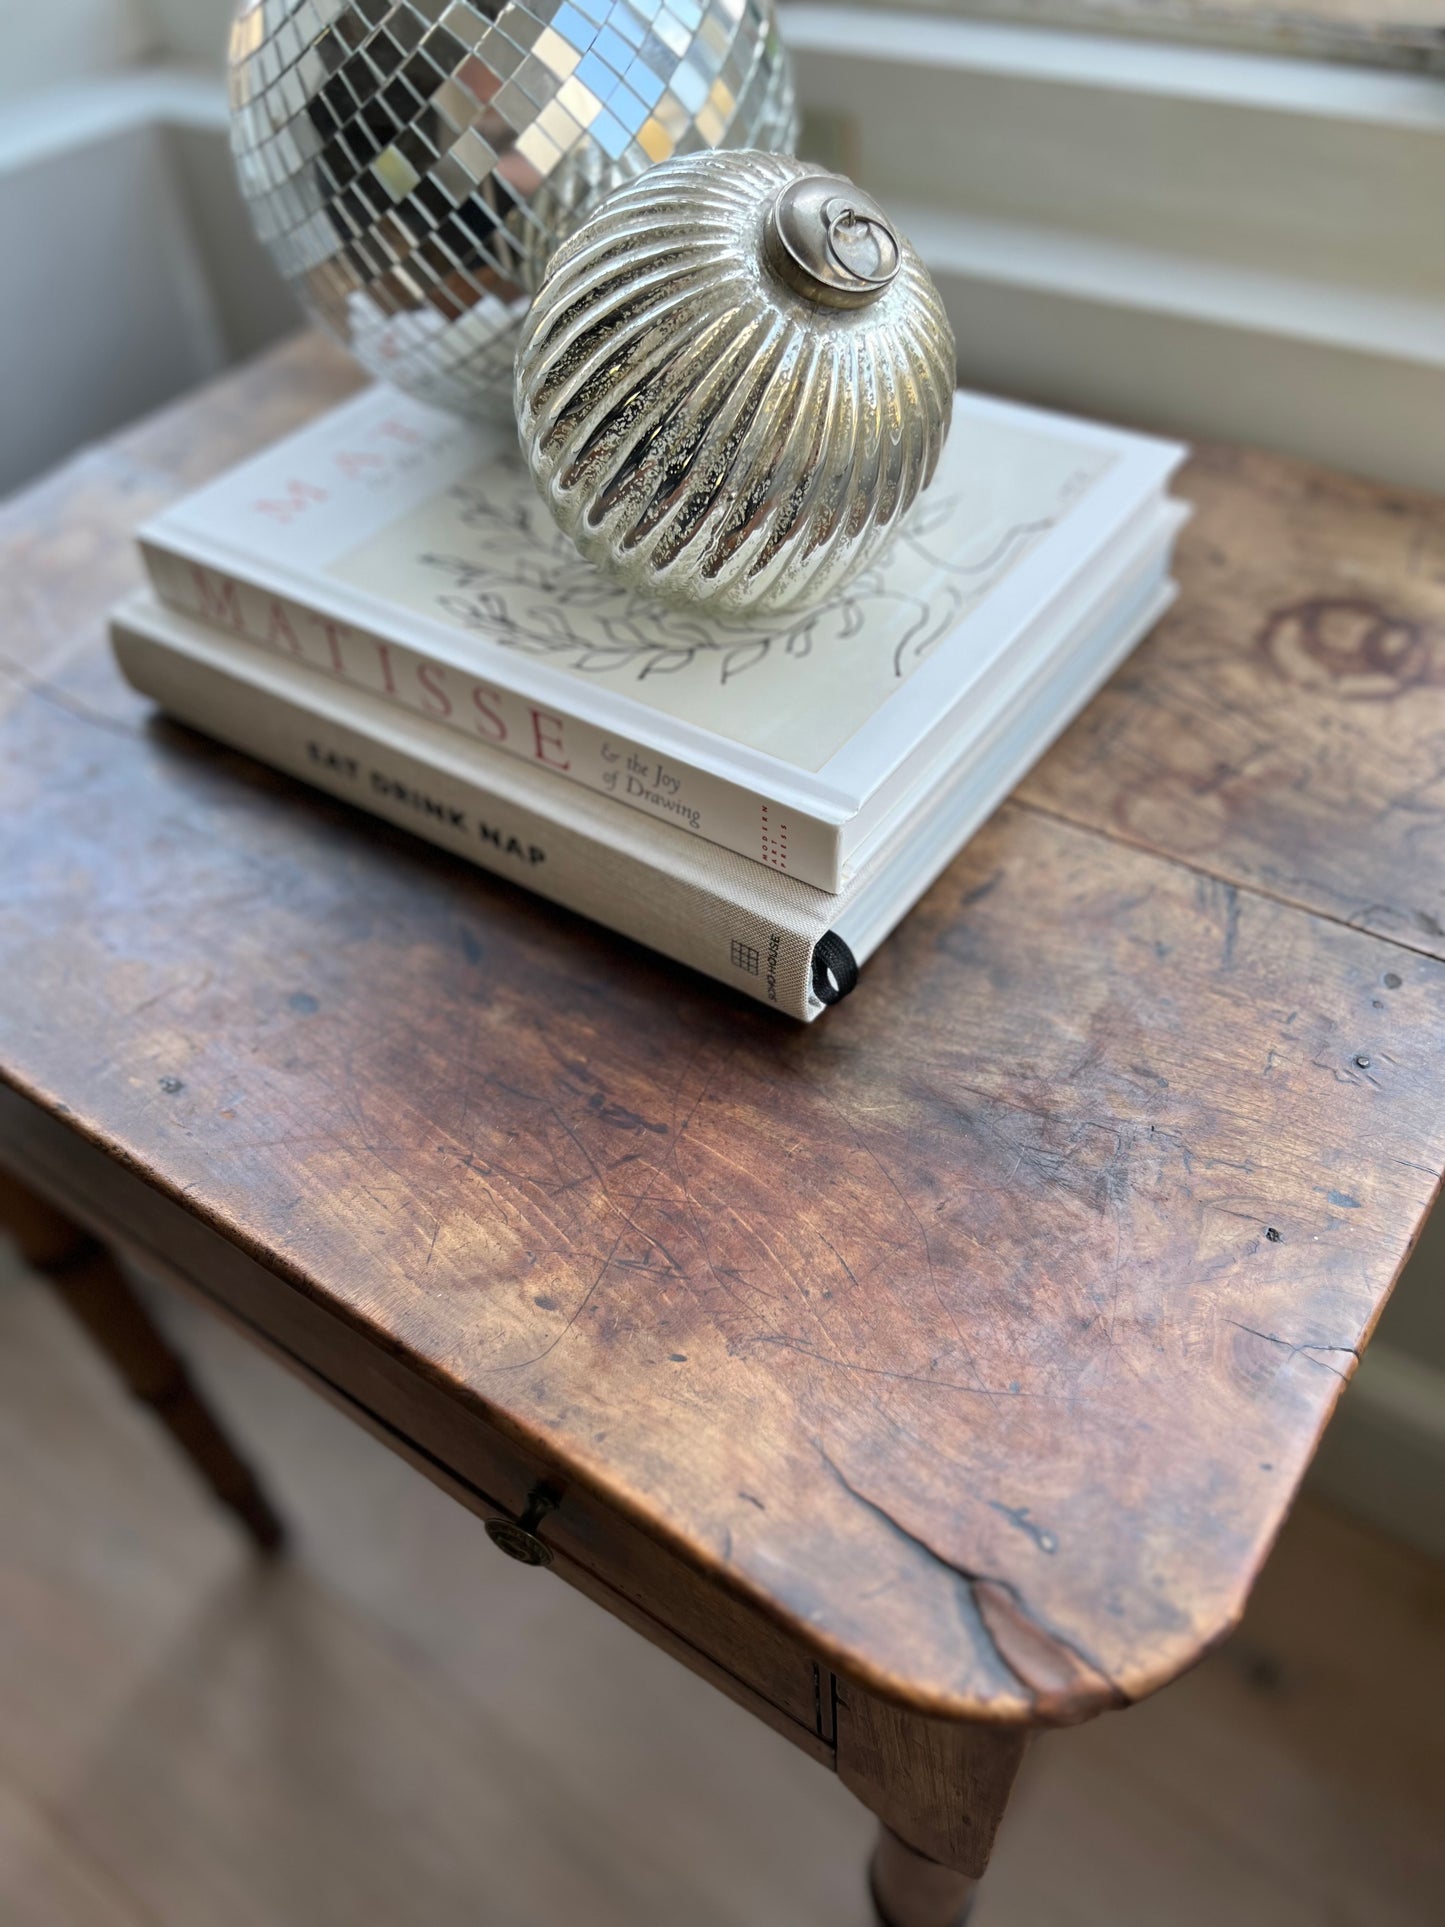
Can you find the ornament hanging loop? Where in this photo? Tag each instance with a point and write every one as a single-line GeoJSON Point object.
{"type": "Point", "coordinates": [831, 243]}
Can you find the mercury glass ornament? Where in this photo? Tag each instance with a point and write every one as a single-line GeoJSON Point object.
{"type": "Point", "coordinates": [411, 164]}
{"type": "Point", "coordinates": [735, 379]}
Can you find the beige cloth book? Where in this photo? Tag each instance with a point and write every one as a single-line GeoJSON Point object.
{"type": "Point", "coordinates": [775, 938]}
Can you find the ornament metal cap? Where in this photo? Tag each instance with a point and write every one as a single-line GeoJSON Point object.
{"type": "Point", "coordinates": [831, 243]}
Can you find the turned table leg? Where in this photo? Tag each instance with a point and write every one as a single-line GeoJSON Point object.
{"type": "Point", "coordinates": [910, 1890]}
{"type": "Point", "coordinates": [91, 1283]}
{"type": "Point", "coordinates": [938, 1789]}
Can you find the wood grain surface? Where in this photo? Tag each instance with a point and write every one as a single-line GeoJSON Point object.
{"type": "Point", "coordinates": [982, 1332]}
{"type": "Point", "coordinates": [1285, 728]}
{"type": "Point", "coordinates": [395, 1725]}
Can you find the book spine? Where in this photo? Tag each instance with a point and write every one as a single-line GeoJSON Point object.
{"type": "Point", "coordinates": [714, 930]}
{"type": "Point", "coordinates": [712, 807]}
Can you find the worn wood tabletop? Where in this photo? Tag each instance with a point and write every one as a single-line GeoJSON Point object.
{"type": "Point", "coordinates": [980, 1333]}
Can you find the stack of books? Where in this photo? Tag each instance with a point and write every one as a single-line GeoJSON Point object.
{"type": "Point", "coordinates": [381, 606]}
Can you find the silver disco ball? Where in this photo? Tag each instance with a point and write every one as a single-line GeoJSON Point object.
{"type": "Point", "coordinates": [411, 164]}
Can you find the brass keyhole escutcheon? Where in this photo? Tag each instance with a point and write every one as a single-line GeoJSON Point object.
{"type": "Point", "coordinates": [518, 1543]}
{"type": "Point", "coordinates": [518, 1538]}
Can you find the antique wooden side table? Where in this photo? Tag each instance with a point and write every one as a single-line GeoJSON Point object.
{"type": "Point", "coordinates": [922, 1378]}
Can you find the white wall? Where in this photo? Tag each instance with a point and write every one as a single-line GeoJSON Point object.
{"type": "Point", "coordinates": [130, 271]}
{"type": "Point", "coordinates": [110, 323]}
{"type": "Point", "coordinates": [190, 30]}
{"type": "Point", "coordinates": [46, 42]}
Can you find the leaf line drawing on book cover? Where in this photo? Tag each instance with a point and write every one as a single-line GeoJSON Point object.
{"type": "Point", "coordinates": [527, 588]}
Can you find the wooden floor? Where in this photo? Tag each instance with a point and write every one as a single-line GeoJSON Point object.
{"type": "Point", "coordinates": [398, 1728]}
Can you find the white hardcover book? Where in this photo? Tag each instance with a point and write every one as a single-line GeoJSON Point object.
{"type": "Point", "coordinates": [403, 553]}
{"type": "Point", "coordinates": [770, 935]}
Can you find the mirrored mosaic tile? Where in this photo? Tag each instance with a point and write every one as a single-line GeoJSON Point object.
{"type": "Point", "coordinates": [411, 164]}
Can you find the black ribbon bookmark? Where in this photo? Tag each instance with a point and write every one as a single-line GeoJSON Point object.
{"type": "Point", "coordinates": [835, 968]}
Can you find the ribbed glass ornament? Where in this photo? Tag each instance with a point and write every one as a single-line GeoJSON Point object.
{"type": "Point", "coordinates": [734, 381]}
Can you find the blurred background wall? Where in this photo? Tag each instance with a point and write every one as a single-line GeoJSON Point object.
{"type": "Point", "coordinates": [129, 273]}
{"type": "Point", "coordinates": [1237, 240]}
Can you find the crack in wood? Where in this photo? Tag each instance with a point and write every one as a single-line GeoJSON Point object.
{"type": "Point", "coordinates": [1061, 1683]}
{"type": "Point", "coordinates": [1301, 1351]}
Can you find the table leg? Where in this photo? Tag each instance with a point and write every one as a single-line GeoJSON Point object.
{"type": "Point", "coordinates": [938, 1789]}
{"type": "Point", "coordinates": [910, 1890]}
{"type": "Point", "coordinates": [91, 1283]}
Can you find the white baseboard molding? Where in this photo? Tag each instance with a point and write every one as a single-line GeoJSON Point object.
{"type": "Point", "coordinates": [1383, 1456]}
{"type": "Point", "coordinates": [1171, 284]}
{"type": "Point", "coordinates": [1225, 76]}
{"type": "Point", "coordinates": [1402, 36]}
{"type": "Point", "coordinates": [1222, 244]}
{"type": "Point", "coordinates": [1192, 348]}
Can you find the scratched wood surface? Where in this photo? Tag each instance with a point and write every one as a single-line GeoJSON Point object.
{"type": "Point", "coordinates": [980, 1332]}
{"type": "Point", "coordinates": [1287, 728]}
